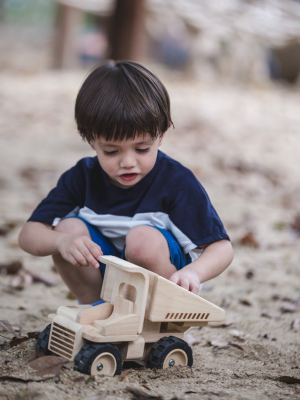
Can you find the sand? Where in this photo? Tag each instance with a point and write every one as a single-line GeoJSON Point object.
{"type": "Point", "coordinates": [243, 144]}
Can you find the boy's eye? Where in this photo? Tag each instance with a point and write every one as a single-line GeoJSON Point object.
{"type": "Point", "coordinates": [143, 150]}
{"type": "Point", "coordinates": [110, 153]}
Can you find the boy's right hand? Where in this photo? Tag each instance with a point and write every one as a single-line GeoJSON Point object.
{"type": "Point", "coordinates": [79, 250]}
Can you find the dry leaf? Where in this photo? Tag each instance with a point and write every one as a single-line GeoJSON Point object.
{"type": "Point", "coordinates": [24, 379]}
{"type": "Point", "coordinates": [71, 296]}
{"type": "Point", "coordinates": [123, 376]}
{"type": "Point", "coordinates": [245, 302]}
{"type": "Point", "coordinates": [33, 335]}
{"type": "Point", "coordinates": [287, 379]}
{"type": "Point", "coordinates": [249, 240]}
{"type": "Point", "coordinates": [12, 224]}
{"type": "Point", "coordinates": [78, 379]}
{"type": "Point", "coordinates": [11, 268]}
{"type": "Point", "coordinates": [16, 341]}
{"type": "Point", "coordinates": [218, 341]}
{"type": "Point", "coordinates": [236, 345]}
{"type": "Point", "coordinates": [146, 387]}
{"type": "Point", "coordinates": [288, 300]}
{"type": "Point", "coordinates": [101, 397]}
{"type": "Point", "coordinates": [21, 280]}
{"type": "Point", "coordinates": [5, 326]}
{"type": "Point", "coordinates": [267, 314]}
{"type": "Point", "coordinates": [140, 394]}
{"type": "Point", "coordinates": [36, 354]}
{"type": "Point", "coordinates": [223, 324]}
{"type": "Point", "coordinates": [48, 280]}
{"type": "Point", "coordinates": [47, 365]}
{"type": "Point", "coordinates": [221, 394]}
{"type": "Point", "coordinates": [249, 275]}
{"type": "Point", "coordinates": [295, 225]}
{"type": "Point", "coordinates": [267, 336]}
{"type": "Point", "coordinates": [237, 334]}
{"type": "Point", "coordinates": [275, 297]}
{"type": "Point", "coordinates": [90, 379]}
{"type": "Point", "coordinates": [69, 365]}
{"type": "Point", "coordinates": [279, 225]}
{"type": "Point", "coordinates": [30, 174]}
{"type": "Point", "coordinates": [14, 245]}
{"type": "Point", "coordinates": [288, 308]}
{"type": "Point", "coordinates": [295, 325]}
{"type": "Point", "coordinates": [3, 230]}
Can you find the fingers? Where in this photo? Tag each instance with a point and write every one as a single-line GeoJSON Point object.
{"type": "Point", "coordinates": [93, 248]}
{"type": "Point", "coordinates": [80, 260]}
{"type": "Point", "coordinates": [186, 281]}
{"type": "Point", "coordinates": [175, 279]}
{"type": "Point", "coordinates": [86, 253]}
{"type": "Point", "coordinates": [73, 261]}
{"type": "Point", "coordinates": [194, 288]}
{"type": "Point", "coordinates": [180, 281]}
{"type": "Point", "coordinates": [90, 253]}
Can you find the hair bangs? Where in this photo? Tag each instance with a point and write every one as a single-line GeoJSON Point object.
{"type": "Point", "coordinates": [119, 101]}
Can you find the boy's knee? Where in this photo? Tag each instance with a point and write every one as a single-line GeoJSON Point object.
{"type": "Point", "coordinates": [73, 226]}
{"type": "Point", "coordinates": [143, 244]}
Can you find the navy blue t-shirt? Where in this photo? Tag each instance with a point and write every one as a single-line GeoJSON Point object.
{"type": "Point", "coordinates": [169, 197]}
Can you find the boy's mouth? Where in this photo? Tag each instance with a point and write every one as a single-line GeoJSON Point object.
{"type": "Point", "coordinates": [128, 177]}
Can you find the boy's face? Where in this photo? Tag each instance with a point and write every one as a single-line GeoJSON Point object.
{"type": "Point", "coordinates": [126, 162]}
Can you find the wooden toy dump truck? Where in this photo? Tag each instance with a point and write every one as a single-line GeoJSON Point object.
{"type": "Point", "coordinates": [143, 319]}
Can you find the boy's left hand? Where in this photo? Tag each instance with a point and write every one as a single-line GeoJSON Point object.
{"type": "Point", "coordinates": [187, 279]}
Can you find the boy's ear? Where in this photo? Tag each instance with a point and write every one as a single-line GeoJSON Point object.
{"type": "Point", "coordinates": [92, 145]}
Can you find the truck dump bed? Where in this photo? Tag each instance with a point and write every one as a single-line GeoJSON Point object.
{"type": "Point", "coordinates": [171, 302]}
{"type": "Point", "coordinates": [164, 301]}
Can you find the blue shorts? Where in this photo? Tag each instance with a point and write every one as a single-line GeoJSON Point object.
{"type": "Point", "coordinates": [178, 258]}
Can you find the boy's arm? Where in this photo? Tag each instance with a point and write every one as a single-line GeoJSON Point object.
{"type": "Point", "coordinates": [39, 239]}
{"type": "Point", "coordinates": [215, 258]}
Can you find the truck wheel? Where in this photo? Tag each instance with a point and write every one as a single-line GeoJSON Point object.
{"type": "Point", "coordinates": [99, 359]}
{"type": "Point", "coordinates": [169, 352]}
{"type": "Point", "coordinates": [43, 340]}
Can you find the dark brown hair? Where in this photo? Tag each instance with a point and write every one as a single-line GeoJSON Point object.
{"type": "Point", "coordinates": [121, 99]}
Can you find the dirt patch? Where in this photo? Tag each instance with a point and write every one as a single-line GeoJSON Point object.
{"type": "Point", "coordinates": [242, 143]}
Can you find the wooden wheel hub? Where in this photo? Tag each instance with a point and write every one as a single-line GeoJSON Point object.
{"type": "Point", "coordinates": [177, 358]}
{"type": "Point", "coordinates": [104, 364]}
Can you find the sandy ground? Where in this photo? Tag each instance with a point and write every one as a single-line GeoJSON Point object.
{"type": "Point", "coordinates": [243, 144]}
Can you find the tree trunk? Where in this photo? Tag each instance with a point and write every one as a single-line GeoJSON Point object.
{"type": "Point", "coordinates": [127, 38]}
{"type": "Point", "coordinates": [67, 21]}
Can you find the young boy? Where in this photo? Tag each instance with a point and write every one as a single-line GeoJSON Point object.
{"type": "Point", "coordinates": [131, 200]}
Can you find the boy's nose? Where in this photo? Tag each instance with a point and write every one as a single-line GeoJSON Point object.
{"type": "Point", "coordinates": [128, 161]}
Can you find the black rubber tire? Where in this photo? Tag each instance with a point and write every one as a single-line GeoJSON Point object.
{"type": "Point", "coordinates": [163, 347]}
{"type": "Point", "coordinates": [43, 340]}
{"type": "Point", "coordinates": [88, 353]}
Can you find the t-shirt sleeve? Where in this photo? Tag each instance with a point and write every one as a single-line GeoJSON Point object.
{"type": "Point", "coordinates": [193, 214]}
{"type": "Point", "coordinates": [67, 196]}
